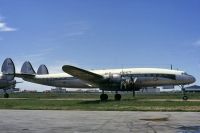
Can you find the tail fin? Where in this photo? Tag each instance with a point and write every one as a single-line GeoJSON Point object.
{"type": "Point", "coordinates": [42, 70]}
{"type": "Point", "coordinates": [27, 68]}
{"type": "Point", "coordinates": [8, 69]}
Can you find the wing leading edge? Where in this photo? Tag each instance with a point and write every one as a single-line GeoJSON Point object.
{"type": "Point", "coordinates": [82, 74]}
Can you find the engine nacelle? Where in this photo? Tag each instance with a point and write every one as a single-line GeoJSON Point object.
{"type": "Point", "coordinates": [127, 83]}
{"type": "Point", "coordinates": [113, 77]}
{"type": "Point", "coordinates": [118, 81]}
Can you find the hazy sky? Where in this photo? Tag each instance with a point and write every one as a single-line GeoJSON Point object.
{"type": "Point", "coordinates": [96, 34]}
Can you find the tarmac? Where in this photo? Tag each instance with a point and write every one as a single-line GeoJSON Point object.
{"type": "Point", "coordinates": [58, 121]}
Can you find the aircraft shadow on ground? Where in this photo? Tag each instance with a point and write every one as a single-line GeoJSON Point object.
{"type": "Point", "coordinates": [99, 101]}
{"type": "Point", "coordinates": [91, 102]}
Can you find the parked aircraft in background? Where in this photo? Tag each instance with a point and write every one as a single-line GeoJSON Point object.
{"type": "Point", "coordinates": [7, 76]}
{"type": "Point", "coordinates": [130, 79]}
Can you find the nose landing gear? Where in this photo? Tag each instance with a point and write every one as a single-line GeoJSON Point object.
{"type": "Point", "coordinates": [185, 97]}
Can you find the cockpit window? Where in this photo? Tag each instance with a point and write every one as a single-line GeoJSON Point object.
{"type": "Point", "coordinates": [184, 73]}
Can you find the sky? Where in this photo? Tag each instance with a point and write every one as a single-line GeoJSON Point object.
{"type": "Point", "coordinates": [96, 34]}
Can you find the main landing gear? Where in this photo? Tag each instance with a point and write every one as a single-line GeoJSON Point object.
{"type": "Point", "coordinates": [117, 96]}
{"type": "Point", "coordinates": [103, 97]}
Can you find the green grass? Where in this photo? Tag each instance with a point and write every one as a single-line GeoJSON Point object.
{"type": "Point", "coordinates": [96, 95]}
{"type": "Point", "coordinates": [91, 102]}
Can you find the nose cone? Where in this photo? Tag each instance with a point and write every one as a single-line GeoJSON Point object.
{"type": "Point", "coordinates": [185, 79]}
{"type": "Point", "coordinates": [192, 78]}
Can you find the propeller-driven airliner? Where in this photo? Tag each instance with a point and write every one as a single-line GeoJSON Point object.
{"type": "Point", "coordinates": [129, 79]}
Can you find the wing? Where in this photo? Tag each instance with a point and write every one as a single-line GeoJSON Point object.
{"type": "Point", "coordinates": [82, 74]}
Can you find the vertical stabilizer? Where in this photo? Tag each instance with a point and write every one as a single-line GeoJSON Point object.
{"type": "Point", "coordinates": [27, 68]}
{"type": "Point", "coordinates": [8, 69]}
{"type": "Point", "coordinates": [42, 70]}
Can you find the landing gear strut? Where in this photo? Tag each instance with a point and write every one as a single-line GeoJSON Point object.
{"type": "Point", "coordinates": [133, 85]}
{"type": "Point", "coordinates": [6, 95]}
{"type": "Point", "coordinates": [103, 97]}
{"type": "Point", "coordinates": [185, 97]}
{"type": "Point", "coordinates": [133, 93]}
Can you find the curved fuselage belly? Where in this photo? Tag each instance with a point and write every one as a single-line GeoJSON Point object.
{"type": "Point", "coordinates": [151, 82]}
{"type": "Point", "coordinates": [143, 82]}
{"type": "Point", "coordinates": [77, 83]}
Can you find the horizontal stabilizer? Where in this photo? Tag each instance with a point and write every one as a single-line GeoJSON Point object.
{"type": "Point", "coordinates": [23, 75]}
{"type": "Point", "coordinates": [81, 73]}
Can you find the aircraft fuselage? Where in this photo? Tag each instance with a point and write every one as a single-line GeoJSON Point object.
{"type": "Point", "coordinates": [118, 79]}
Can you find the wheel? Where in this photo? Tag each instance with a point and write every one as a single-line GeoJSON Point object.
{"type": "Point", "coordinates": [6, 95]}
{"type": "Point", "coordinates": [117, 97]}
{"type": "Point", "coordinates": [104, 97]}
{"type": "Point", "coordinates": [185, 98]}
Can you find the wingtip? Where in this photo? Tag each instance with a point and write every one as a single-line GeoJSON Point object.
{"type": "Point", "coordinates": [67, 68]}
{"type": "Point", "coordinates": [64, 67]}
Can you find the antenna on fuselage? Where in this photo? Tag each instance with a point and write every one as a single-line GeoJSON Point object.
{"type": "Point", "coordinates": [171, 67]}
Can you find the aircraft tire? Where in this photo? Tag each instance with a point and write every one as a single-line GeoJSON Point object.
{"type": "Point", "coordinates": [185, 98]}
{"type": "Point", "coordinates": [118, 97]}
{"type": "Point", "coordinates": [103, 97]}
{"type": "Point", "coordinates": [6, 95]}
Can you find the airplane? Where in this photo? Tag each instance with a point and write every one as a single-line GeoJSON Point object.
{"type": "Point", "coordinates": [7, 76]}
{"type": "Point", "coordinates": [130, 79]}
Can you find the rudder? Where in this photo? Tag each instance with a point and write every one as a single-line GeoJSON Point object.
{"type": "Point", "coordinates": [8, 69]}
{"type": "Point", "coordinates": [27, 68]}
{"type": "Point", "coordinates": [42, 70]}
